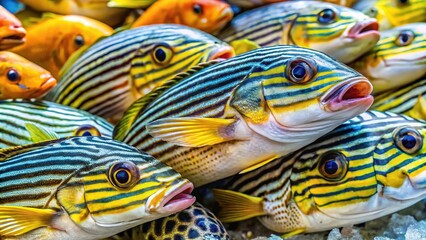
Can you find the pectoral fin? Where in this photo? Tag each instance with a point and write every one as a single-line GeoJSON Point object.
{"type": "Point", "coordinates": [192, 132]}
{"type": "Point", "coordinates": [419, 109]}
{"type": "Point", "coordinates": [243, 45]}
{"type": "Point", "coordinates": [256, 166]}
{"type": "Point", "coordinates": [39, 133]}
{"type": "Point", "coordinates": [237, 206]}
{"type": "Point", "coordinates": [15, 221]}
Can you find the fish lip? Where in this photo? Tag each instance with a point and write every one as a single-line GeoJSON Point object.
{"type": "Point", "coordinates": [45, 87]}
{"type": "Point", "coordinates": [226, 14]}
{"type": "Point", "coordinates": [15, 37]}
{"type": "Point", "coordinates": [333, 100]}
{"type": "Point", "coordinates": [398, 61]}
{"type": "Point", "coordinates": [167, 206]}
{"type": "Point", "coordinates": [365, 28]}
{"type": "Point", "coordinates": [222, 52]}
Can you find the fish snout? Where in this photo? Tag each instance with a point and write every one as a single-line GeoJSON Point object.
{"type": "Point", "coordinates": [48, 83]}
{"type": "Point", "coordinates": [12, 37]}
{"type": "Point", "coordinates": [172, 199]}
{"type": "Point", "coordinates": [365, 28]}
{"type": "Point", "coordinates": [222, 52]}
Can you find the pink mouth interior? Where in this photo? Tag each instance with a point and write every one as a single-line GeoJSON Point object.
{"type": "Point", "coordinates": [179, 200]}
{"type": "Point", "coordinates": [349, 95]}
{"type": "Point", "coordinates": [225, 53]}
{"type": "Point", "coordinates": [362, 29]}
{"type": "Point", "coordinates": [359, 90]}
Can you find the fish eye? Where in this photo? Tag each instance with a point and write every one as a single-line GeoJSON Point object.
{"type": "Point", "coordinates": [403, 2]}
{"type": "Point", "coordinates": [87, 130]}
{"type": "Point", "coordinates": [408, 140]}
{"type": "Point", "coordinates": [405, 38]}
{"type": "Point", "coordinates": [333, 166]}
{"type": "Point", "coordinates": [372, 12]}
{"type": "Point", "coordinates": [327, 16]}
{"type": "Point", "coordinates": [79, 40]}
{"type": "Point", "coordinates": [300, 71]}
{"type": "Point", "coordinates": [162, 54]}
{"type": "Point", "coordinates": [123, 175]}
{"type": "Point", "coordinates": [197, 8]}
{"type": "Point", "coordinates": [13, 75]}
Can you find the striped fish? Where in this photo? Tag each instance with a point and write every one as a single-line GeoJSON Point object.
{"type": "Point", "coordinates": [196, 222]}
{"type": "Point", "coordinates": [257, 3]}
{"type": "Point", "coordinates": [393, 13]}
{"type": "Point", "coordinates": [400, 52]}
{"type": "Point", "coordinates": [65, 121]}
{"type": "Point", "coordinates": [117, 70]}
{"type": "Point", "coordinates": [341, 32]}
{"type": "Point", "coordinates": [368, 167]}
{"type": "Point", "coordinates": [219, 119]}
{"type": "Point", "coordinates": [84, 188]}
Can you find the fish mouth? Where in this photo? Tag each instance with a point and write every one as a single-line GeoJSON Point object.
{"type": "Point", "coordinates": [45, 87]}
{"type": "Point", "coordinates": [421, 60]}
{"type": "Point", "coordinates": [362, 29]}
{"type": "Point", "coordinates": [173, 200]}
{"type": "Point", "coordinates": [222, 53]}
{"type": "Point", "coordinates": [15, 37]}
{"type": "Point", "coordinates": [348, 94]}
{"type": "Point", "coordinates": [226, 15]}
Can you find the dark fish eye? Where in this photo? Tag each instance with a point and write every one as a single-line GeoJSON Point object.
{"type": "Point", "coordinates": [333, 166]}
{"type": "Point", "coordinates": [13, 75]}
{"type": "Point", "coordinates": [405, 38]}
{"type": "Point", "coordinates": [326, 16]}
{"type": "Point", "coordinates": [300, 71]}
{"type": "Point", "coordinates": [408, 140]}
{"type": "Point", "coordinates": [372, 12]}
{"type": "Point", "coordinates": [403, 2]}
{"type": "Point", "coordinates": [87, 130]}
{"type": "Point", "coordinates": [79, 40]}
{"type": "Point", "coordinates": [197, 9]}
{"type": "Point", "coordinates": [123, 175]}
{"type": "Point", "coordinates": [162, 54]}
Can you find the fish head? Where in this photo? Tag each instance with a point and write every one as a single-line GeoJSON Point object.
{"type": "Point", "coordinates": [207, 15]}
{"type": "Point", "coordinates": [21, 78]}
{"type": "Point", "coordinates": [12, 33]}
{"type": "Point", "coordinates": [365, 169]}
{"type": "Point", "coordinates": [121, 189]}
{"type": "Point", "coordinates": [341, 32]}
{"type": "Point", "coordinates": [174, 50]}
{"type": "Point", "coordinates": [398, 58]}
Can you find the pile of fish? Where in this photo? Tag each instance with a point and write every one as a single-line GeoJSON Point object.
{"type": "Point", "coordinates": [170, 119]}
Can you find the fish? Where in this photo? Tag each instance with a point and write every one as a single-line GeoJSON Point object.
{"type": "Point", "coordinates": [116, 71]}
{"type": "Point", "coordinates": [84, 188]}
{"type": "Point", "coordinates": [52, 41]}
{"type": "Point", "coordinates": [400, 52]}
{"type": "Point", "coordinates": [93, 9]}
{"type": "Point", "coordinates": [195, 222]}
{"type": "Point", "coordinates": [21, 78]}
{"type": "Point", "coordinates": [393, 13]}
{"type": "Point", "coordinates": [258, 3]}
{"type": "Point", "coordinates": [341, 32]}
{"type": "Point", "coordinates": [11, 31]}
{"type": "Point", "coordinates": [63, 120]}
{"type": "Point", "coordinates": [221, 118]}
{"type": "Point", "coordinates": [206, 15]}
{"type": "Point", "coordinates": [371, 166]}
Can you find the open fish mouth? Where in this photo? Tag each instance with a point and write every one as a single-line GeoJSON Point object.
{"type": "Point", "coordinates": [222, 53]}
{"type": "Point", "coordinates": [15, 38]}
{"type": "Point", "coordinates": [348, 94]}
{"type": "Point", "coordinates": [45, 87]}
{"type": "Point", "coordinates": [174, 201]}
{"type": "Point", "coordinates": [421, 60]}
{"type": "Point", "coordinates": [369, 27]}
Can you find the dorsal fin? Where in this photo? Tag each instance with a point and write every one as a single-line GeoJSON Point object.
{"type": "Point", "coordinates": [7, 153]}
{"type": "Point", "coordinates": [132, 113]}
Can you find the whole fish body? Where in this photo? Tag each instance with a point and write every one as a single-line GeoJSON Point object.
{"type": "Point", "coordinates": [63, 120]}
{"type": "Point", "coordinates": [400, 52]}
{"type": "Point", "coordinates": [53, 40]}
{"type": "Point", "coordinates": [195, 222]}
{"type": "Point", "coordinates": [215, 121]}
{"type": "Point", "coordinates": [368, 167]}
{"type": "Point", "coordinates": [341, 32]}
{"type": "Point", "coordinates": [119, 69]}
{"type": "Point", "coordinates": [84, 188]}
{"type": "Point", "coordinates": [11, 31]}
{"type": "Point", "coordinates": [20, 78]}
{"type": "Point", "coordinates": [207, 15]}
{"type": "Point", "coordinates": [391, 13]}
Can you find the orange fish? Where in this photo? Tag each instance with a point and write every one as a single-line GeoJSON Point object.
{"type": "Point", "coordinates": [207, 15]}
{"type": "Point", "coordinates": [53, 40]}
{"type": "Point", "coordinates": [20, 78]}
{"type": "Point", "coordinates": [11, 31]}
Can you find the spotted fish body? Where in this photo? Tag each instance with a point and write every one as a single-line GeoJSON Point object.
{"type": "Point", "coordinates": [341, 32]}
{"type": "Point", "coordinates": [117, 70]}
{"type": "Point", "coordinates": [65, 121]}
{"type": "Point", "coordinates": [400, 52]}
{"type": "Point", "coordinates": [368, 167]}
{"type": "Point", "coordinates": [196, 222]}
{"type": "Point", "coordinates": [218, 120]}
{"type": "Point", "coordinates": [84, 188]}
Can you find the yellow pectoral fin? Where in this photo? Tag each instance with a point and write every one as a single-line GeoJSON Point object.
{"type": "Point", "coordinates": [15, 221]}
{"type": "Point", "coordinates": [39, 133]}
{"type": "Point", "coordinates": [130, 3]}
{"type": "Point", "coordinates": [243, 45]}
{"type": "Point", "coordinates": [256, 166]}
{"type": "Point", "coordinates": [191, 132]}
{"type": "Point", "coordinates": [419, 109]}
{"type": "Point", "coordinates": [293, 233]}
{"type": "Point", "coordinates": [237, 206]}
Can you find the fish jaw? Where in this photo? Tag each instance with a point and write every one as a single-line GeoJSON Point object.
{"type": "Point", "coordinates": [11, 31]}
{"type": "Point", "coordinates": [222, 52]}
{"type": "Point", "coordinates": [45, 87]}
{"type": "Point", "coordinates": [171, 200]}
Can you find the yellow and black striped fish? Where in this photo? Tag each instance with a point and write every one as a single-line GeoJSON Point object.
{"type": "Point", "coordinates": [219, 119]}
{"type": "Point", "coordinates": [397, 59]}
{"type": "Point", "coordinates": [196, 222]}
{"type": "Point", "coordinates": [63, 120]}
{"type": "Point", "coordinates": [370, 166]}
{"type": "Point", "coordinates": [117, 70]}
{"type": "Point", "coordinates": [393, 13]}
{"type": "Point", "coordinates": [341, 32]}
{"type": "Point", "coordinates": [84, 188]}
